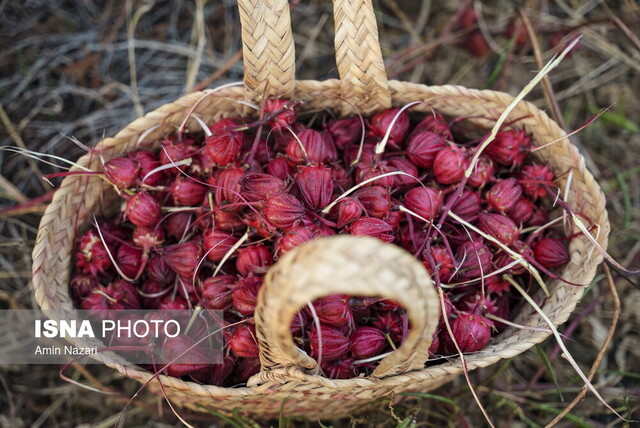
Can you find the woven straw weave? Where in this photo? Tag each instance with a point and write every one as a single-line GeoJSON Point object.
{"type": "Point", "coordinates": [364, 267]}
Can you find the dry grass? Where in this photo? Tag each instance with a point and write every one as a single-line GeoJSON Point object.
{"type": "Point", "coordinates": [66, 73]}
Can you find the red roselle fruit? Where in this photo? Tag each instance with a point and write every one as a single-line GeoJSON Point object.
{"type": "Point", "coordinates": [533, 178]}
{"type": "Point", "coordinates": [278, 167]}
{"type": "Point", "coordinates": [522, 210]}
{"type": "Point", "coordinates": [129, 260]}
{"type": "Point", "coordinates": [472, 332]}
{"type": "Point", "coordinates": [92, 256]}
{"type": "Point", "coordinates": [82, 284]}
{"type": "Point", "coordinates": [186, 192]}
{"type": "Point", "coordinates": [283, 211]}
{"type": "Point", "coordinates": [223, 147]}
{"type": "Point", "coordinates": [367, 342]}
{"type": "Point", "coordinates": [474, 42]}
{"type": "Point", "coordinates": [391, 323]}
{"type": "Point", "coordinates": [227, 221]}
{"type": "Point", "coordinates": [331, 343]}
{"type": "Point", "coordinates": [245, 295]}
{"type": "Point", "coordinates": [410, 176]}
{"type": "Point", "coordinates": [333, 310]}
{"type": "Point", "coordinates": [482, 173]}
{"type": "Point", "coordinates": [143, 210]}
{"type": "Point", "coordinates": [467, 206]}
{"type": "Point", "coordinates": [217, 292]}
{"type": "Point", "coordinates": [242, 341]}
{"type": "Point", "coordinates": [292, 238]}
{"type": "Point", "coordinates": [148, 239]}
{"type": "Point", "coordinates": [369, 226]}
{"type": "Point", "coordinates": [499, 226]}
{"type": "Point", "coordinates": [423, 148]}
{"type": "Point", "coordinates": [217, 244]}
{"type": "Point", "coordinates": [125, 293]}
{"type": "Point", "coordinates": [173, 303]}
{"type": "Point", "coordinates": [509, 147]}
{"type": "Point", "coordinates": [286, 116]}
{"type": "Point", "coordinates": [316, 148]}
{"type": "Point", "coordinates": [449, 165]}
{"type": "Point", "coordinates": [189, 356]}
{"type": "Point", "coordinates": [340, 369]}
{"type": "Point", "coordinates": [258, 186]}
{"type": "Point", "coordinates": [550, 252]}
{"type": "Point", "coordinates": [349, 210]}
{"type": "Point", "coordinates": [152, 292]}
{"type": "Point", "coordinates": [345, 131]}
{"type": "Point", "coordinates": [375, 200]}
{"type": "Point", "coordinates": [147, 161]}
{"type": "Point", "coordinates": [504, 195]}
{"type": "Point", "coordinates": [122, 172]}
{"type": "Point", "coordinates": [378, 171]}
{"type": "Point", "coordinates": [157, 270]}
{"type": "Point", "coordinates": [424, 201]}
{"type": "Point", "coordinates": [475, 260]}
{"type": "Point", "coordinates": [436, 123]}
{"type": "Point", "coordinates": [228, 187]}
{"type": "Point", "coordinates": [316, 185]}
{"type": "Point", "coordinates": [382, 121]}
{"type": "Point", "coordinates": [99, 300]}
{"type": "Point", "coordinates": [255, 258]}
{"type": "Point", "coordinates": [183, 258]}
{"type": "Point", "coordinates": [443, 263]}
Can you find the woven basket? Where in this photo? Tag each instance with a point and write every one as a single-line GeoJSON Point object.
{"type": "Point", "coordinates": [346, 265]}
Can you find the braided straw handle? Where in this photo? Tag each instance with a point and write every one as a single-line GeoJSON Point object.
{"type": "Point", "coordinates": [269, 56]}
{"type": "Point", "coordinates": [360, 266]}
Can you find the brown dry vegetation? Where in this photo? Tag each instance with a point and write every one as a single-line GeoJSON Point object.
{"type": "Point", "coordinates": [65, 73]}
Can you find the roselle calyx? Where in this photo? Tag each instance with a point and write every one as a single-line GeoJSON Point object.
{"type": "Point", "coordinates": [504, 195]}
{"type": "Point", "coordinates": [522, 210]}
{"type": "Point", "coordinates": [423, 148]}
{"type": "Point", "coordinates": [449, 165]}
{"type": "Point", "coordinates": [317, 149]}
{"type": "Point", "coordinates": [467, 206]}
{"type": "Point", "coordinates": [499, 226]}
{"type": "Point", "coordinates": [483, 172]}
{"type": "Point", "coordinates": [331, 342]}
{"type": "Point", "coordinates": [186, 192]}
{"type": "Point", "coordinates": [183, 258]}
{"type": "Point", "coordinates": [92, 256]}
{"type": "Point", "coordinates": [245, 295]}
{"type": "Point", "coordinates": [255, 258]}
{"type": "Point", "coordinates": [474, 260]}
{"type": "Point", "coordinates": [333, 310]}
{"type": "Point", "coordinates": [375, 200]}
{"type": "Point", "coordinates": [367, 342]}
{"type": "Point", "coordinates": [550, 252]}
{"type": "Point", "coordinates": [533, 178]}
{"type": "Point", "coordinates": [217, 244]}
{"type": "Point", "coordinates": [382, 121]}
{"type": "Point", "coordinates": [292, 238]}
{"type": "Point", "coordinates": [345, 131]}
{"type": "Point", "coordinates": [217, 292]}
{"type": "Point", "coordinates": [129, 260]}
{"type": "Point", "coordinates": [223, 146]}
{"type": "Point", "coordinates": [424, 201]}
{"type": "Point", "coordinates": [472, 332]}
{"type": "Point", "coordinates": [283, 211]}
{"type": "Point", "coordinates": [122, 172]}
{"type": "Point", "coordinates": [348, 210]}
{"type": "Point", "coordinates": [509, 147]}
{"type": "Point", "coordinates": [242, 341]}
{"type": "Point", "coordinates": [369, 226]}
{"type": "Point", "coordinates": [315, 184]}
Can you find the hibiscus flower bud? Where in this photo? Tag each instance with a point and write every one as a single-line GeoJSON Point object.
{"type": "Point", "coordinates": [283, 211]}
{"type": "Point", "coordinates": [381, 122]}
{"type": "Point", "coordinates": [367, 342]}
{"type": "Point", "coordinates": [375, 200]}
{"type": "Point", "coordinates": [242, 341]}
{"type": "Point", "coordinates": [369, 226]}
{"type": "Point", "coordinates": [316, 185]}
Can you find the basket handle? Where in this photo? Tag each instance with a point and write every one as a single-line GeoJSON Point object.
{"type": "Point", "coordinates": [360, 266]}
{"type": "Point", "coordinates": [269, 55]}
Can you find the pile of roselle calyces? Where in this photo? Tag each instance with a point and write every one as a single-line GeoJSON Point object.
{"type": "Point", "coordinates": [203, 218]}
